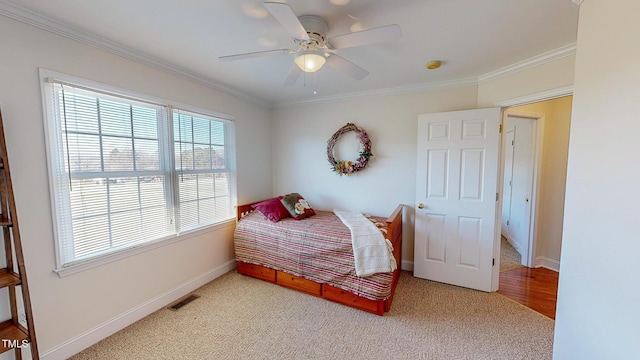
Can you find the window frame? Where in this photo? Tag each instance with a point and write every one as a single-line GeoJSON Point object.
{"type": "Point", "coordinates": [52, 145]}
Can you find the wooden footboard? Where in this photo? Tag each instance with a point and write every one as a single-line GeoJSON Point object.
{"type": "Point", "coordinates": [394, 233]}
{"type": "Point", "coordinates": [326, 291]}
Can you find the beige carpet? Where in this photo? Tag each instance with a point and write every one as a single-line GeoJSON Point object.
{"type": "Point", "coordinates": [238, 317]}
{"type": "Point", "coordinates": [509, 257]}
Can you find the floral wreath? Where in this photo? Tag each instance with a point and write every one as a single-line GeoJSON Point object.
{"type": "Point", "coordinates": [350, 167]}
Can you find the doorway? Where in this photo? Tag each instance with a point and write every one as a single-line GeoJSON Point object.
{"type": "Point", "coordinates": [538, 186]}
{"type": "Point", "coordinates": [538, 236]}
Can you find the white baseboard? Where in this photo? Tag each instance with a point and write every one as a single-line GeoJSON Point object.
{"type": "Point", "coordinates": [406, 265]}
{"type": "Point", "coordinates": [104, 330]}
{"type": "Point", "coordinates": [548, 263]}
{"type": "Point", "coordinates": [513, 243]}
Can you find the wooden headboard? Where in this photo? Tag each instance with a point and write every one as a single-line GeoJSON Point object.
{"type": "Point", "coordinates": [244, 209]}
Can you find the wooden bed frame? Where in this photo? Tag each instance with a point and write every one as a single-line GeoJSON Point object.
{"type": "Point", "coordinates": [325, 291]}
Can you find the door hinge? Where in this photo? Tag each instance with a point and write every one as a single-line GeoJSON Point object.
{"type": "Point", "coordinates": [496, 196]}
{"type": "Point", "coordinates": [494, 262]}
{"type": "Point", "coordinates": [507, 222]}
{"type": "Point", "coordinates": [500, 130]}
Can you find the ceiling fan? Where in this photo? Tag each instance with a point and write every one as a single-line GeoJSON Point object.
{"type": "Point", "coordinates": [314, 49]}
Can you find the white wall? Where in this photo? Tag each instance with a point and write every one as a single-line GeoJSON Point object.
{"type": "Point", "coordinates": [300, 162]}
{"type": "Point", "coordinates": [549, 76]}
{"type": "Point", "coordinates": [597, 313]}
{"type": "Point", "coordinates": [71, 307]}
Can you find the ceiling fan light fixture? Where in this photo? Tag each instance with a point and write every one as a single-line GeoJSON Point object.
{"type": "Point", "coordinates": [310, 61]}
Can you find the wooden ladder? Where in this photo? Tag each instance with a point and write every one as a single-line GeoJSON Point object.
{"type": "Point", "coordinates": [16, 333]}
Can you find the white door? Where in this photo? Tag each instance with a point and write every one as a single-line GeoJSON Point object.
{"type": "Point", "coordinates": [456, 197]}
{"type": "Point", "coordinates": [508, 179]}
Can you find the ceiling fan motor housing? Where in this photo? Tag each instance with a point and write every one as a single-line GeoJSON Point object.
{"type": "Point", "coordinates": [316, 28]}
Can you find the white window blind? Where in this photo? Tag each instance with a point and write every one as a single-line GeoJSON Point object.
{"type": "Point", "coordinates": [125, 172]}
{"type": "Point", "coordinates": [201, 166]}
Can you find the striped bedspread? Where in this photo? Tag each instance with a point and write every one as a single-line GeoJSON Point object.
{"type": "Point", "coordinates": [317, 248]}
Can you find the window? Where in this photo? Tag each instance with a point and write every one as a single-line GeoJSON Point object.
{"type": "Point", "coordinates": [126, 172]}
{"type": "Point", "coordinates": [200, 163]}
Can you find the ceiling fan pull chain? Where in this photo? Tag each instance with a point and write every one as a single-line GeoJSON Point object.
{"type": "Point", "coordinates": [304, 73]}
{"type": "Point", "coordinates": [315, 84]}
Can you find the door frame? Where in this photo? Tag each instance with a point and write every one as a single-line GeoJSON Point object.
{"type": "Point", "coordinates": [505, 104]}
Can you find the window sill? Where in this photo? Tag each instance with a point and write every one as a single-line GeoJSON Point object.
{"type": "Point", "coordinates": [100, 260]}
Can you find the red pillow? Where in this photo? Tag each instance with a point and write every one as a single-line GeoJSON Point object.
{"type": "Point", "coordinates": [272, 209]}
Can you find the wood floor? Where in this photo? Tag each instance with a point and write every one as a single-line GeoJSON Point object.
{"type": "Point", "coordinates": [535, 288]}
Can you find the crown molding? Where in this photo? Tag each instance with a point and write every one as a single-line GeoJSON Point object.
{"type": "Point", "coordinates": [26, 16]}
{"type": "Point", "coordinates": [577, 2]}
{"type": "Point", "coordinates": [529, 63]}
{"type": "Point", "coordinates": [383, 92]}
{"type": "Point", "coordinates": [13, 11]}
{"type": "Point", "coordinates": [537, 97]}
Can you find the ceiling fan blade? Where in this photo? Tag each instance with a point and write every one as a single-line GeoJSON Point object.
{"type": "Point", "coordinates": [287, 18]}
{"type": "Point", "coordinates": [366, 37]}
{"type": "Point", "coordinates": [347, 67]}
{"type": "Point", "coordinates": [293, 76]}
{"type": "Point", "coordinates": [254, 54]}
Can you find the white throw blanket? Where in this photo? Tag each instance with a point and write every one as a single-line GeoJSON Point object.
{"type": "Point", "coordinates": [372, 252]}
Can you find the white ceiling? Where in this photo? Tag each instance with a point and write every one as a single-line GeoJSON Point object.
{"type": "Point", "coordinates": [471, 37]}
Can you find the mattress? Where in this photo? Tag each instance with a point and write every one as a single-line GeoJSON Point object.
{"type": "Point", "coordinates": [317, 248]}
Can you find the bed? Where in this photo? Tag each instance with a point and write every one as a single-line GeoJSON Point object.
{"type": "Point", "coordinates": [315, 256]}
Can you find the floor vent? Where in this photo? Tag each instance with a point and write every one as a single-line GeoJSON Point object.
{"type": "Point", "coordinates": [182, 302]}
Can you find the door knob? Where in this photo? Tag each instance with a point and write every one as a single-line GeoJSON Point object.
{"type": "Point", "coordinates": [420, 206]}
